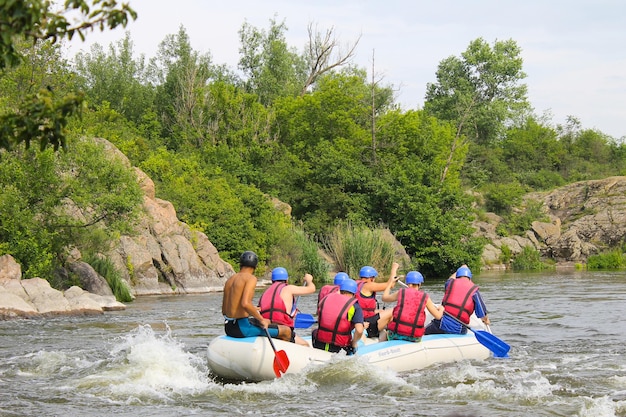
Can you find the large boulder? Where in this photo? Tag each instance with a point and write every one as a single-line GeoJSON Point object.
{"type": "Point", "coordinates": [90, 280]}
{"type": "Point", "coordinates": [9, 269]}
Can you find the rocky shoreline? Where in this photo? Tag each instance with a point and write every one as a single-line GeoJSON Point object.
{"type": "Point", "coordinates": [34, 297]}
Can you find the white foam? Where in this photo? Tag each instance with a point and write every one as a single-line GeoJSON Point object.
{"type": "Point", "coordinates": [146, 364]}
{"type": "Point", "coordinates": [601, 407]}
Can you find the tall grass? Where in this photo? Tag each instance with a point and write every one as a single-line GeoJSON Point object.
{"type": "Point", "coordinates": [113, 277]}
{"type": "Point", "coordinates": [352, 247]}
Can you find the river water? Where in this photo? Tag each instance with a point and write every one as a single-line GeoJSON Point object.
{"type": "Point", "coordinates": [567, 358]}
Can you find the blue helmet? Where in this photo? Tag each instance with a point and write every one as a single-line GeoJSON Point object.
{"type": "Point", "coordinates": [368, 272]}
{"type": "Point", "coordinates": [414, 277]}
{"type": "Point", "coordinates": [464, 272]}
{"type": "Point", "coordinates": [349, 285]}
{"type": "Point", "coordinates": [340, 277]}
{"type": "Point", "coordinates": [279, 274]}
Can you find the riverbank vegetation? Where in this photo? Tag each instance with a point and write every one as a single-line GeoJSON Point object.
{"type": "Point", "coordinates": [307, 128]}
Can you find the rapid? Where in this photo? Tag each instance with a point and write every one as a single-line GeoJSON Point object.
{"type": "Point", "coordinates": [567, 358]}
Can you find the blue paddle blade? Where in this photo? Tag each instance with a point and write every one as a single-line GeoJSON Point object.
{"type": "Point", "coordinates": [304, 321]}
{"type": "Point", "coordinates": [499, 348]}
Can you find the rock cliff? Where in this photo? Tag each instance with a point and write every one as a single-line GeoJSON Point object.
{"type": "Point", "coordinates": [163, 256]}
{"type": "Point", "coordinates": [585, 218]}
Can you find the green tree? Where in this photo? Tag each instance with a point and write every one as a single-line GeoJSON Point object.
{"type": "Point", "coordinates": [534, 155]}
{"type": "Point", "coordinates": [43, 115]}
{"type": "Point", "coordinates": [427, 211]}
{"type": "Point", "coordinates": [479, 93]}
{"type": "Point", "coordinates": [182, 75]}
{"type": "Point", "coordinates": [481, 90]}
{"type": "Point", "coordinates": [53, 201]}
{"type": "Point", "coordinates": [271, 68]}
{"type": "Point", "coordinates": [117, 78]}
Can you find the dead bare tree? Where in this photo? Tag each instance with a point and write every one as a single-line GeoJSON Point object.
{"type": "Point", "coordinates": [324, 53]}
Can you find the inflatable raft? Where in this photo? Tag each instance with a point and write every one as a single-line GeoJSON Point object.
{"type": "Point", "coordinates": [252, 359]}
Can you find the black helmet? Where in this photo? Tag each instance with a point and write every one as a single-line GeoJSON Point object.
{"type": "Point", "coordinates": [248, 258]}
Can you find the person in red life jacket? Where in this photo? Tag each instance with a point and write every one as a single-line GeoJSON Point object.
{"type": "Point", "coordinates": [277, 303]}
{"type": "Point", "coordinates": [334, 287]}
{"type": "Point", "coordinates": [339, 315]}
{"type": "Point", "coordinates": [461, 299]}
{"type": "Point", "coordinates": [241, 317]}
{"type": "Point", "coordinates": [409, 314]}
{"type": "Point", "coordinates": [375, 319]}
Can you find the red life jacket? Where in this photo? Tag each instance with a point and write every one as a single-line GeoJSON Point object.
{"type": "Point", "coordinates": [458, 298]}
{"type": "Point", "coordinates": [409, 314]}
{"type": "Point", "coordinates": [368, 304]}
{"type": "Point", "coordinates": [325, 290]}
{"type": "Point", "coordinates": [273, 307]}
{"type": "Point", "coordinates": [334, 326]}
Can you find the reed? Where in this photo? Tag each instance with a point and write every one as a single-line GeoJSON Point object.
{"type": "Point", "coordinates": [113, 277]}
{"type": "Point", "coordinates": [352, 247]}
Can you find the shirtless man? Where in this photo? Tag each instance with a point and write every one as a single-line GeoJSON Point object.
{"type": "Point", "coordinates": [241, 316]}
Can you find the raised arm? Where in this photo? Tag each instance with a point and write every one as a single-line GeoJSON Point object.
{"type": "Point", "coordinates": [393, 278]}
{"type": "Point", "coordinates": [309, 288]}
{"type": "Point", "coordinates": [372, 287]}
{"type": "Point", "coordinates": [437, 312]}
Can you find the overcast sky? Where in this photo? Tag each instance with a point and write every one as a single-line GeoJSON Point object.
{"type": "Point", "coordinates": [574, 51]}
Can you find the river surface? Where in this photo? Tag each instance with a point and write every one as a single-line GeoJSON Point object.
{"type": "Point", "coordinates": [567, 358]}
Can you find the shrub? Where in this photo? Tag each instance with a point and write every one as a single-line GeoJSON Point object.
{"type": "Point", "coordinates": [528, 259]}
{"type": "Point", "coordinates": [300, 254]}
{"type": "Point", "coordinates": [500, 198]}
{"type": "Point", "coordinates": [613, 259]}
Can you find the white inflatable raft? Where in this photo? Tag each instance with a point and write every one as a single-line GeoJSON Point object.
{"type": "Point", "coordinates": [251, 359]}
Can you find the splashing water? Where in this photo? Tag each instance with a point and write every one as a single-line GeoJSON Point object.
{"type": "Point", "coordinates": [145, 364]}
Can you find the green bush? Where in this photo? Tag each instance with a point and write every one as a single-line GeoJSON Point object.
{"type": "Point", "coordinates": [500, 198]}
{"type": "Point", "coordinates": [529, 259]}
{"type": "Point", "coordinates": [506, 254]}
{"type": "Point", "coordinates": [520, 221]}
{"type": "Point", "coordinates": [613, 259]}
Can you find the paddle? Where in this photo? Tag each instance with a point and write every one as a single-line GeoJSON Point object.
{"type": "Point", "coordinates": [304, 321]}
{"type": "Point", "coordinates": [281, 361]}
{"type": "Point", "coordinates": [499, 348]}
